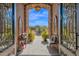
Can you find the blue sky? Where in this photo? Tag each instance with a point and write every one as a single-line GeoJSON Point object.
{"type": "Point", "coordinates": [38, 17]}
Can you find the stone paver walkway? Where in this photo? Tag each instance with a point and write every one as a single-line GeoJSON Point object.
{"type": "Point", "coordinates": [36, 48]}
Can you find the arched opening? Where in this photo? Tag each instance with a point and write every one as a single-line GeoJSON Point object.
{"type": "Point", "coordinates": [38, 18]}
{"type": "Point", "coordinates": [37, 7]}
{"type": "Point", "coordinates": [37, 29]}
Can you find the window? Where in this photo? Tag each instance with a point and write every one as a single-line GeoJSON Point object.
{"type": "Point", "coordinates": [6, 26]}
{"type": "Point", "coordinates": [68, 26]}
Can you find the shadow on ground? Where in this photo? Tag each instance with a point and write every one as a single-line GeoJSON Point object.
{"type": "Point", "coordinates": [19, 52]}
{"type": "Point", "coordinates": [43, 42]}
{"type": "Point", "coordinates": [53, 51]}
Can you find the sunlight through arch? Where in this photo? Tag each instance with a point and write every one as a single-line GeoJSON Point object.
{"type": "Point", "coordinates": [38, 18]}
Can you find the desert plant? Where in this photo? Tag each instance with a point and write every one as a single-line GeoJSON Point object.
{"type": "Point", "coordinates": [44, 35]}
{"type": "Point", "coordinates": [31, 35]}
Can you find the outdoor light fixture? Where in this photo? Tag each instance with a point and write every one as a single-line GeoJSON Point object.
{"type": "Point", "coordinates": [37, 8]}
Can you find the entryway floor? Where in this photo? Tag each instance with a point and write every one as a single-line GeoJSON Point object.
{"type": "Point", "coordinates": [38, 48]}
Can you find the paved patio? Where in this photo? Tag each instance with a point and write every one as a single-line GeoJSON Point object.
{"type": "Point", "coordinates": [38, 48]}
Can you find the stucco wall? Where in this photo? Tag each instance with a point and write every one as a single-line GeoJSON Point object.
{"type": "Point", "coordinates": [19, 13]}
{"type": "Point", "coordinates": [55, 14]}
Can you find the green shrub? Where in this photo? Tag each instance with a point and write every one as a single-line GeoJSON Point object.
{"type": "Point", "coordinates": [44, 34]}
{"type": "Point", "coordinates": [31, 35]}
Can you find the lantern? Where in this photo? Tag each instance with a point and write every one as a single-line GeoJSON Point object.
{"type": "Point", "coordinates": [37, 8]}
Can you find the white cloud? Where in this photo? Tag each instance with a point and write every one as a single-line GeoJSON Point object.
{"type": "Point", "coordinates": [38, 22]}
{"type": "Point", "coordinates": [36, 15]}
